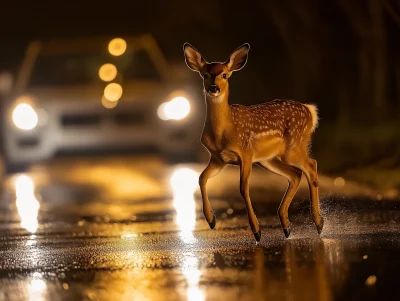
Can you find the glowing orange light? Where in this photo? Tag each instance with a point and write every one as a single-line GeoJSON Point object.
{"type": "Point", "coordinates": [113, 92]}
{"type": "Point", "coordinates": [107, 103]}
{"type": "Point", "coordinates": [371, 280]}
{"type": "Point", "coordinates": [339, 182]}
{"type": "Point", "coordinates": [107, 72]}
{"type": "Point", "coordinates": [117, 46]}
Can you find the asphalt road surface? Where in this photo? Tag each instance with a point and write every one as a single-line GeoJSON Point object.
{"type": "Point", "coordinates": [127, 228]}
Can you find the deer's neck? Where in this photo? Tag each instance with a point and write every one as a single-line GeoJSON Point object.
{"type": "Point", "coordinates": [218, 115]}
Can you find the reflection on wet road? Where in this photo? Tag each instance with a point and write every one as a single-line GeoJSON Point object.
{"type": "Point", "coordinates": [184, 184]}
{"type": "Point", "coordinates": [133, 230]}
{"type": "Point", "coordinates": [26, 202]}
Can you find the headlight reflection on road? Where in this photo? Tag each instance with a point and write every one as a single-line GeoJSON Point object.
{"type": "Point", "coordinates": [192, 274]}
{"type": "Point", "coordinates": [26, 202]}
{"type": "Point", "coordinates": [184, 182]}
{"type": "Point", "coordinates": [36, 288]}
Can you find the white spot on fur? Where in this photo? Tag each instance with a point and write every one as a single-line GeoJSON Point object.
{"type": "Point", "coordinates": [267, 133]}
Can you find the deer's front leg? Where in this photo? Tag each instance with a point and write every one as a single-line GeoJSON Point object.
{"type": "Point", "coordinates": [213, 168]}
{"type": "Point", "coordinates": [245, 171]}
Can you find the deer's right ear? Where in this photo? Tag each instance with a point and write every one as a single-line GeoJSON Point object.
{"type": "Point", "coordinates": [193, 58]}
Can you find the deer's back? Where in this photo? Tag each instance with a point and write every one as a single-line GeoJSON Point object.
{"type": "Point", "coordinates": [280, 120]}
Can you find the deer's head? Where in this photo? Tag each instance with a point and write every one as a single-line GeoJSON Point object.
{"type": "Point", "coordinates": [215, 75]}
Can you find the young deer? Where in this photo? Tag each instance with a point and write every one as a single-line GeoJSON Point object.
{"type": "Point", "coordinates": [274, 135]}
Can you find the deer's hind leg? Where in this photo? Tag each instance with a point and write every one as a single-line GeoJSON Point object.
{"type": "Point", "coordinates": [245, 171]}
{"type": "Point", "coordinates": [293, 175]}
{"type": "Point", "coordinates": [301, 160]}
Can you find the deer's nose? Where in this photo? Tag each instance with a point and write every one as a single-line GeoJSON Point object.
{"type": "Point", "coordinates": [214, 89]}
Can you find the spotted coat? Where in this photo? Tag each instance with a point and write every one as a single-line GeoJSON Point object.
{"type": "Point", "coordinates": [284, 119]}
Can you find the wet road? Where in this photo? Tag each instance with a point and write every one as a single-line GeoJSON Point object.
{"type": "Point", "coordinates": [132, 229]}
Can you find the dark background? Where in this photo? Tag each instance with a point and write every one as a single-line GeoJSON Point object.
{"type": "Point", "coordinates": [341, 55]}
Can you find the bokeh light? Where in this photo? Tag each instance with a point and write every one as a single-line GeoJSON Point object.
{"type": "Point", "coordinates": [339, 182]}
{"type": "Point", "coordinates": [108, 104]}
{"type": "Point", "coordinates": [117, 46]}
{"type": "Point", "coordinates": [176, 109]}
{"type": "Point", "coordinates": [371, 280]}
{"type": "Point", "coordinates": [25, 117]}
{"type": "Point", "coordinates": [107, 72]}
{"type": "Point", "coordinates": [161, 111]}
{"type": "Point", "coordinates": [113, 92]}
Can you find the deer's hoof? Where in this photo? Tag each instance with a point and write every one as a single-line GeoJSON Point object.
{"type": "Point", "coordinates": [286, 231]}
{"type": "Point", "coordinates": [257, 235]}
{"type": "Point", "coordinates": [320, 226]}
{"type": "Point", "coordinates": [213, 222]}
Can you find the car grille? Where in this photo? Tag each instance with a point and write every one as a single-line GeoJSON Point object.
{"type": "Point", "coordinates": [131, 118]}
{"type": "Point", "coordinates": [68, 120]}
{"type": "Point", "coordinates": [28, 142]}
{"type": "Point", "coordinates": [123, 119]}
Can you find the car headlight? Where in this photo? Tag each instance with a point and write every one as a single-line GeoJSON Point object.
{"type": "Point", "coordinates": [176, 109]}
{"type": "Point", "coordinates": [25, 117]}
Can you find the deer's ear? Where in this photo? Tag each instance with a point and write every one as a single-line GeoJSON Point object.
{"type": "Point", "coordinates": [193, 58]}
{"type": "Point", "coordinates": [238, 58]}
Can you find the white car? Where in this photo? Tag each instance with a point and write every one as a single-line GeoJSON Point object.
{"type": "Point", "coordinates": [99, 94]}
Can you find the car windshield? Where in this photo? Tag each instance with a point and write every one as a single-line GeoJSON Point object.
{"type": "Point", "coordinates": [84, 68]}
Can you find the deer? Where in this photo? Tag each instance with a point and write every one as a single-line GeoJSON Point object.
{"type": "Point", "coordinates": [275, 135]}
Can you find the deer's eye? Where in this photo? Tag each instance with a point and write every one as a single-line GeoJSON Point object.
{"type": "Point", "coordinates": [205, 75]}
{"type": "Point", "coordinates": [224, 75]}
